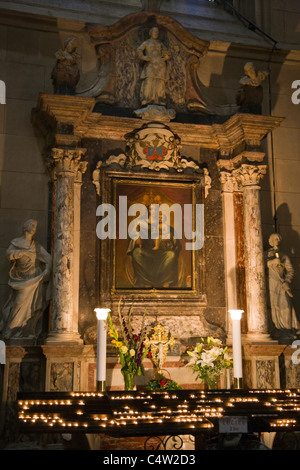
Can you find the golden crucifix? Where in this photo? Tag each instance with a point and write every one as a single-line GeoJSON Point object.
{"type": "Point", "coordinates": [159, 343]}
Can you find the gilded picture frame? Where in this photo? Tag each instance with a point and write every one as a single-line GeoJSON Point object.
{"type": "Point", "coordinates": [118, 254]}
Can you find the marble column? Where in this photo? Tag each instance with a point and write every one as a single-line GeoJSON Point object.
{"type": "Point", "coordinates": [67, 167]}
{"type": "Point", "coordinates": [76, 245]}
{"type": "Point", "coordinates": [229, 185]}
{"type": "Point", "coordinates": [249, 176]}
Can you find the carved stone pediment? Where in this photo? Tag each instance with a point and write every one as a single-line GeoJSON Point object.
{"type": "Point", "coordinates": [153, 147]}
{"type": "Point", "coordinates": [120, 69]}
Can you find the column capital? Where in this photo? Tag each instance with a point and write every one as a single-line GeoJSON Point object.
{"type": "Point", "coordinates": [250, 175]}
{"type": "Point", "coordinates": [64, 161]}
{"type": "Point", "coordinates": [229, 182]}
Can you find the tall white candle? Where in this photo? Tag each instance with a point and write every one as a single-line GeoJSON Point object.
{"type": "Point", "coordinates": [236, 316]}
{"type": "Point", "coordinates": [101, 314]}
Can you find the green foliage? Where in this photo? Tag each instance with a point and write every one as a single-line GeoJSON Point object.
{"type": "Point", "coordinates": [163, 383]}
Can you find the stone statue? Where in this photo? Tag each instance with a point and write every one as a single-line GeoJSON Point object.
{"type": "Point", "coordinates": [29, 279]}
{"type": "Point", "coordinates": [250, 94]}
{"type": "Point", "coordinates": [154, 74]}
{"type": "Point", "coordinates": [280, 275]}
{"type": "Point", "coordinates": [65, 75]}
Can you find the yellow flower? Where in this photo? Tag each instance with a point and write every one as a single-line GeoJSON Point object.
{"type": "Point", "coordinates": [132, 352]}
{"type": "Point", "coordinates": [113, 334]}
{"type": "Point", "coordinates": [117, 344]}
{"type": "Point", "coordinates": [124, 349]}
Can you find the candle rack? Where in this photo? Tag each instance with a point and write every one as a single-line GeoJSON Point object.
{"type": "Point", "coordinates": [179, 412]}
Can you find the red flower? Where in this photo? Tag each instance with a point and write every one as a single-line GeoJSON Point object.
{"type": "Point", "coordinates": [149, 354]}
{"type": "Point", "coordinates": [136, 337]}
{"type": "Point", "coordinates": [163, 383]}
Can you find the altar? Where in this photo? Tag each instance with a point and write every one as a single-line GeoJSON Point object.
{"type": "Point", "coordinates": [145, 134]}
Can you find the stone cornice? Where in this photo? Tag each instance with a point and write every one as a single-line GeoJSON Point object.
{"type": "Point", "coordinates": [65, 120]}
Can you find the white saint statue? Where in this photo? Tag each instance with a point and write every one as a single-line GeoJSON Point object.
{"type": "Point", "coordinates": [280, 275]}
{"type": "Point", "coordinates": [29, 280]}
{"type": "Point", "coordinates": [154, 74]}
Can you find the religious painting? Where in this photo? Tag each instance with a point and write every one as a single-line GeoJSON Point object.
{"type": "Point", "coordinates": [149, 256]}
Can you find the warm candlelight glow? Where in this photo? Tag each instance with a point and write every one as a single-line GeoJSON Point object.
{"type": "Point", "coordinates": [102, 313]}
{"type": "Point", "coordinates": [236, 314]}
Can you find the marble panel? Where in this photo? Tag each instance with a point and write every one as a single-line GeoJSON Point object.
{"type": "Point", "coordinates": [12, 388]}
{"type": "Point", "coordinates": [214, 271]}
{"type": "Point", "coordinates": [265, 374]}
{"type": "Point", "coordinates": [292, 374]}
{"type": "Point", "coordinates": [247, 373]}
{"type": "Point", "coordinates": [184, 327]}
{"type": "Point", "coordinates": [31, 376]}
{"type": "Point", "coordinates": [213, 214]}
{"type": "Point", "coordinates": [61, 376]}
{"type": "Point", "coordinates": [240, 258]}
{"type": "Point", "coordinates": [89, 283]}
{"type": "Point", "coordinates": [191, 152]}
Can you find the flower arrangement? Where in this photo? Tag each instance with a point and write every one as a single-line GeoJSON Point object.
{"type": "Point", "coordinates": [131, 347]}
{"type": "Point", "coordinates": [208, 359]}
{"type": "Point", "coordinates": [162, 383]}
